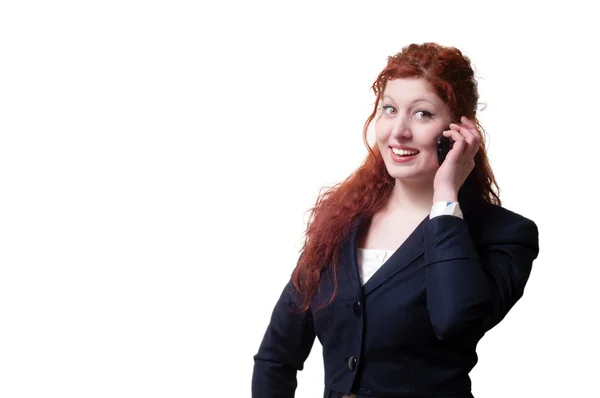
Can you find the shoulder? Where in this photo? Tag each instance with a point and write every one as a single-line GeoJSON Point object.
{"type": "Point", "coordinates": [498, 216]}
{"type": "Point", "coordinates": [492, 223]}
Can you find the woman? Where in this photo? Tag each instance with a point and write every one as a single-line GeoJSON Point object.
{"type": "Point", "coordinates": [407, 263]}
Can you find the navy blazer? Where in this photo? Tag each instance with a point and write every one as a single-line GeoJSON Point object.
{"type": "Point", "coordinates": [412, 329]}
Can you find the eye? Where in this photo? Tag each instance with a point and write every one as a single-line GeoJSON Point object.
{"type": "Point", "coordinates": [386, 107]}
{"type": "Point", "coordinates": [427, 114]}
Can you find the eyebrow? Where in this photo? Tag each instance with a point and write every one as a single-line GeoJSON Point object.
{"type": "Point", "coordinates": [413, 101]}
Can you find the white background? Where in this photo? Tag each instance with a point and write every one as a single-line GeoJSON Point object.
{"type": "Point", "coordinates": [157, 160]}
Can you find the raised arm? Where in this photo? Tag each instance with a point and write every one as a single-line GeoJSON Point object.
{"type": "Point", "coordinates": [470, 291]}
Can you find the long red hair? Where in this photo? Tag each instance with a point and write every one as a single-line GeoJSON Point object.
{"type": "Point", "coordinates": [339, 210]}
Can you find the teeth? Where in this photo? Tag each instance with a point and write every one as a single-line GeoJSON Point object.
{"type": "Point", "coordinates": [404, 152]}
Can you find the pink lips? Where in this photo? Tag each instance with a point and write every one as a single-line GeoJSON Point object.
{"type": "Point", "coordinates": [401, 159]}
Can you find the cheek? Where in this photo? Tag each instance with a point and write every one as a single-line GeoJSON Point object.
{"type": "Point", "coordinates": [430, 137]}
{"type": "Point", "coordinates": [381, 133]}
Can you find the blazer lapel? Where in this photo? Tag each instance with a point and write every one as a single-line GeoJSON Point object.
{"type": "Point", "coordinates": [411, 249]}
{"type": "Point", "coordinates": [349, 261]}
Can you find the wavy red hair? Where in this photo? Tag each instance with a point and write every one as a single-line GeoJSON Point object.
{"type": "Point", "coordinates": [339, 210]}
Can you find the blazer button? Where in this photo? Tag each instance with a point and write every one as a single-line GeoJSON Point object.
{"type": "Point", "coordinates": [356, 308]}
{"type": "Point", "coordinates": [352, 363]}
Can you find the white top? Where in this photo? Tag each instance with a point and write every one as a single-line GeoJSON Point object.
{"type": "Point", "coordinates": [370, 260]}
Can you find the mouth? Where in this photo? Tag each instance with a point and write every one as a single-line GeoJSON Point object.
{"type": "Point", "coordinates": [402, 156]}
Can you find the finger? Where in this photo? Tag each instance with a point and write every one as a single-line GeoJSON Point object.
{"type": "Point", "coordinates": [470, 124]}
{"type": "Point", "coordinates": [464, 130]}
{"type": "Point", "coordinates": [459, 142]}
{"type": "Point", "coordinates": [458, 149]}
{"type": "Point", "coordinates": [455, 133]}
{"type": "Point", "coordinates": [466, 123]}
{"type": "Point", "coordinates": [471, 137]}
{"type": "Point", "coordinates": [473, 128]}
{"type": "Point", "coordinates": [466, 120]}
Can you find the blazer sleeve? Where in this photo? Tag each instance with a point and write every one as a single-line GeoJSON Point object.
{"type": "Point", "coordinates": [286, 345]}
{"type": "Point", "coordinates": [470, 291]}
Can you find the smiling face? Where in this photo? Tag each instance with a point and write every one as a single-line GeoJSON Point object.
{"type": "Point", "coordinates": [413, 116]}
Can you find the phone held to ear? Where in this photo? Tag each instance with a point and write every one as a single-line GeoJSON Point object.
{"type": "Point", "coordinates": [444, 145]}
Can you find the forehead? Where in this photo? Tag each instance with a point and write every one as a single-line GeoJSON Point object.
{"type": "Point", "coordinates": [409, 90]}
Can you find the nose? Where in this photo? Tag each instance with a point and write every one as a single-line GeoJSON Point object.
{"type": "Point", "coordinates": [401, 128]}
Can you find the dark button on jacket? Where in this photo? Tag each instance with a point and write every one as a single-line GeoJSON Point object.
{"type": "Point", "coordinates": [352, 363]}
{"type": "Point", "coordinates": [356, 308]}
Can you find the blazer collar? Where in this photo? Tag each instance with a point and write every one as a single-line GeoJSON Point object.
{"type": "Point", "coordinates": [411, 249]}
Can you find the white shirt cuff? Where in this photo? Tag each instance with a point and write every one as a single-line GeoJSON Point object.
{"type": "Point", "coordinates": [445, 208]}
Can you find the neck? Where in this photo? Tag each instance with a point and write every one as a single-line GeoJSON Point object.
{"type": "Point", "coordinates": [410, 196]}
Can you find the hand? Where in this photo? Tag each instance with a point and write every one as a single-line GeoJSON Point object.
{"type": "Point", "coordinates": [459, 162]}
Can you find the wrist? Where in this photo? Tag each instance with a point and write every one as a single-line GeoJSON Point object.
{"type": "Point", "coordinates": [445, 196]}
{"type": "Point", "coordinates": [445, 208]}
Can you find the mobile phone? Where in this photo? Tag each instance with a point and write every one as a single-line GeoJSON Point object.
{"type": "Point", "coordinates": [444, 145]}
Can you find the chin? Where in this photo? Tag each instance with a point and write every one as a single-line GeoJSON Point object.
{"type": "Point", "coordinates": [410, 173]}
{"type": "Point", "coordinates": [407, 176]}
